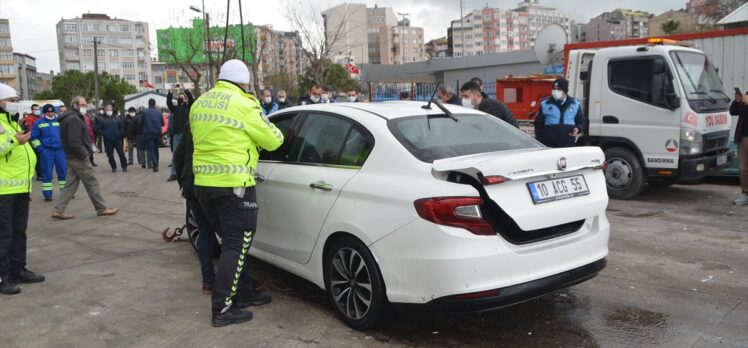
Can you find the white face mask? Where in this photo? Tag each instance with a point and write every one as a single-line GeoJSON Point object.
{"type": "Point", "coordinates": [82, 110]}
{"type": "Point", "coordinates": [314, 99]}
{"type": "Point", "coordinates": [282, 99]}
{"type": "Point", "coordinates": [268, 100]}
{"type": "Point", "coordinates": [352, 99]}
{"type": "Point", "coordinates": [467, 102]}
{"type": "Point", "coordinates": [325, 97]}
{"type": "Point", "coordinates": [131, 114]}
{"type": "Point", "coordinates": [49, 117]}
{"type": "Point", "coordinates": [109, 113]}
{"type": "Point", "coordinates": [37, 112]}
{"type": "Point", "coordinates": [558, 94]}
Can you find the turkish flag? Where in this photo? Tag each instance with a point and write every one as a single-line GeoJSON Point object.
{"type": "Point", "coordinates": [147, 84]}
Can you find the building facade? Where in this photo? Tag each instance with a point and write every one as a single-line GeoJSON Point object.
{"type": "Point", "coordinates": [437, 48]}
{"type": "Point", "coordinates": [686, 23]}
{"type": "Point", "coordinates": [360, 35]}
{"type": "Point", "coordinates": [618, 24]}
{"type": "Point", "coordinates": [123, 49]}
{"type": "Point", "coordinates": [492, 30]}
{"type": "Point", "coordinates": [27, 83]}
{"type": "Point", "coordinates": [7, 67]}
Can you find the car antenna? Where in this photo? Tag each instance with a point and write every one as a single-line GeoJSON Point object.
{"type": "Point", "coordinates": [438, 104]}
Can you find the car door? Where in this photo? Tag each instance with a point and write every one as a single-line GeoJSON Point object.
{"type": "Point", "coordinates": [323, 156]}
{"type": "Point", "coordinates": [268, 162]}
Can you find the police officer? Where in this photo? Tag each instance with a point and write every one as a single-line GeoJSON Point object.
{"type": "Point", "coordinates": [560, 118]}
{"type": "Point", "coordinates": [227, 129]}
{"type": "Point", "coordinates": [17, 162]}
{"type": "Point", "coordinates": [45, 138]}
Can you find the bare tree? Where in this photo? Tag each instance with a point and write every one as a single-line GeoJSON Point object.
{"type": "Point", "coordinates": [263, 42]}
{"type": "Point", "coordinates": [318, 39]}
{"type": "Point", "coordinates": [188, 64]}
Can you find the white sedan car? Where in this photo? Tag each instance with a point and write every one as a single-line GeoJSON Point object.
{"type": "Point", "coordinates": [395, 204]}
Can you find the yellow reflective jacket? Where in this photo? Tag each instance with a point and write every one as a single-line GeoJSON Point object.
{"type": "Point", "coordinates": [227, 129]}
{"type": "Point", "coordinates": [17, 162]}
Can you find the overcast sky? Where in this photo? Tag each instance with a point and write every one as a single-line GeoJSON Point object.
{"type": "Point", "coordinates": [32, 22]}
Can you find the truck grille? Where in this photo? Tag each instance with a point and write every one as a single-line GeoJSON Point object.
{"type": "Point", "coordinates": [715, 141]}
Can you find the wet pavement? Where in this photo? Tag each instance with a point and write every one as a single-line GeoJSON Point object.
{"type": "Point", "coordinates": [677, 276]}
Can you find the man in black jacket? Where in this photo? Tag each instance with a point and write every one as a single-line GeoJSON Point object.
{"type": "Point", "coordinates": [314, 96]}
{"type": "Point", "coordinates": [77, 146]}
{"type": "Point", "coordinates": [472, 97]}
{"type": "Point", "coordinates": [186, 179]}
{"type": "Point", "coordinates": [180, 114]}
{"type": "Point", "coordinates": [130, 134]}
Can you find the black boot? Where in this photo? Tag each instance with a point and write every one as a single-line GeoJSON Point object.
{"type": "Point", "coordinates": [255, 299]}
{"type": "Point", "coordinates": [28, 277]}
{"type": "Point", "coordinates": [8, 287]}
{"type": "Point", "coordinates": [233, 316]}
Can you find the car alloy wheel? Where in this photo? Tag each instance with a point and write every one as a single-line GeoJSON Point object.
{"type": "Point", "coordinates": [351, 283]}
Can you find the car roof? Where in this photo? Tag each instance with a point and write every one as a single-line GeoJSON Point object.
{"type": "Point", "coordinates": [387, 110]}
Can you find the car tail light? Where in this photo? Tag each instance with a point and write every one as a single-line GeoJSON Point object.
{"type": "Point", "coordinates": [476, 295]}
{"type": "Point", "coordinates": [493, 179]}
{"type": "Point", "coordinates": [602, 166]}
{"type": "Point", "coordinates": [462, 212]}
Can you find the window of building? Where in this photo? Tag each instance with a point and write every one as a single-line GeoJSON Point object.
{"type": "Point", "coordinates": [128, 65]}
{"type": "Point", "coordinates": [139, 29]}
{"type": "Point", "coordinates": [6, 55]}
{"type": "Point", "coordinates": [6, 69]}
{"type": "Point", "coordinates": [111, 27]}
{"type": "Point", "coordinates": [73, 66]}
{"type": "Point", "coordinates": [130, 77]}
{"type": "Point", "coordinates": [88, 52]}
{"type": "Point", "coordinates": [114, 53]}
{"type": "Point", "coordinates": [87, 40]}
{"type": "Point", "coordinates": [158, 80]}
{"type": "Point", "coordinates": [142, 76]}
{"type": "Point", "coordinates": [113, 65]}
{"type": "Point", "coordinates": [4, 28]}
{"type": "Point", "coordinates": [101, 53]}
{"type": "Point", "coordinates": [96, 27]}
{"type": "Point", "coordinates": [71, 52]}
{"type": "Point", "coordinates": [70, 27]}
{"type": "Point", "coordinates": [124, 41]}
{"type": "Point", "coordinates": [124, 27]}
{"type": "Point", "coordinates": [142, 66]}
{"type": "Point", "coordinates": [70, 39]}
{"type": "Point", "coordinates": [128, 53]}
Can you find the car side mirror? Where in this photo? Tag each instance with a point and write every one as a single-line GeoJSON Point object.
{"type": "Point", "coordinates": [672, 101]}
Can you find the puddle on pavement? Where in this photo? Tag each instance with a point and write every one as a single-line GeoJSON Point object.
{"type": "Point", "coordinates": [636, 316]}
{"type": "Point", "coordinates": [645, 214]}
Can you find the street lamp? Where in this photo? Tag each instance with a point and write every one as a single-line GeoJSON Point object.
{"type": "Point", "coordinates": [206, 19]}
{"type": "Point", "coordinates": [402, 38]}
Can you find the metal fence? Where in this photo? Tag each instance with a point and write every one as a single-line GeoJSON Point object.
{"type": "Point", "coordinates": [420, 91]}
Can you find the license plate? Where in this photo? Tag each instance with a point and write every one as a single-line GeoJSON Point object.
{"type": "Point", "coordinates": [721, 160]}
{"type": "Point", "coordinates": [558, 189]}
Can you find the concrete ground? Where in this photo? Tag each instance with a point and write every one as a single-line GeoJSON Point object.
{"type": "Point", "coordinates": [677, 277]}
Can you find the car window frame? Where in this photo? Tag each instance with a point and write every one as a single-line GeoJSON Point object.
{"type": "Point", "coordinates": [295, 128]}
{"type": "Point", "coordinates": [651, 58]}
{"type": "Point", "coordinates": [286, 137]}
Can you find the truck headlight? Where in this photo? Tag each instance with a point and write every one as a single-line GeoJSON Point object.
{"type": "Point", "coordinates": [690, 142]}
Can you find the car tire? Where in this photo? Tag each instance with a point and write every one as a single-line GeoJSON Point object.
{"type": "Point", "coordinates": [192, 231]}
{"type": "Point", "coordinates": [165, 140]}
{"type": "Point", "coordinates": [665, 182]}
{"type": "Point", "coordinates": [624, 175]}
{"type": "Point", "coordinates": [349, 290]}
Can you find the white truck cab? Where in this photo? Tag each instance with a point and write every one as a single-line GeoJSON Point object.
{"type": "Point", "coordinates": [658, 111]}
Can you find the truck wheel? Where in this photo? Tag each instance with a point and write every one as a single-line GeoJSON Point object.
{"type": "Point", "coordinates": [624, 175]}
{"type": "Point", "coordinates": [665, 182]}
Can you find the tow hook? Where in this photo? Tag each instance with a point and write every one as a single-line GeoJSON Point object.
{"type": "Point", "coordinates": [174, 237]}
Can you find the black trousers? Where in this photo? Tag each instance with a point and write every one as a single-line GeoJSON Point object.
{"type": "Point", "coordinates": [235, 219]}
{"type": "Point", "coordinates": [14, 218]}
{"type": "Point", "coordinates": [115, 145]}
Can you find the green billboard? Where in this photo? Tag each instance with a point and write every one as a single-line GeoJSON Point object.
{"type": "Point", "coordinates": [188, 45]}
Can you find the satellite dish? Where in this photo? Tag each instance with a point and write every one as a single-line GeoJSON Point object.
{"type": "Point", "coordinates": [549, 43]}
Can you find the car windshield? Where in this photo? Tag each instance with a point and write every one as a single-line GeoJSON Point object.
{"type": "Point", "coordinates": [440, 137]}
{"type": "Point", "coordinates": [698, 76]}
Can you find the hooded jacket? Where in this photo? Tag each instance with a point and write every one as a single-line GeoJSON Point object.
{"type": "Point", "coordinates": [74, 135]}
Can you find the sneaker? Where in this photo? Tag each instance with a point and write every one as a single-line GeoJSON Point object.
{"type": "Point", "coordinates": [155, 170]}
{"type": "Point", "coordinates": [256, 299]}
{"type": "Point", "coordinates": [743, 200]}
{"type": "Point", "coordinates": [232, 316]}
{"type": "Point", "coordinates": [171, 178]}
{"type": "Point", "coordinates": [62, 216]}
{"type": "Point", "coordinates": [28, 277]}
{"type": "Point", "coordinates": [9, 288]}
{"type": "Point", "coordinates": [48, 199]}
{"type": "Point", "coordinates": [108, 212]}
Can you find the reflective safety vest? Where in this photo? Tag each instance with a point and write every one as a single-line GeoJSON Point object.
{"type": "Point", "coordinates": [17, 162]}
{"type": "Point", "coordinates": [227, 128]}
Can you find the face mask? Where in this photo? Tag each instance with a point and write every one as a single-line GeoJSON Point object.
{"type": "Point", "coordinates": [558, 94]}
{"type": "Point", "coordinates": [314, 99]}
{"type": "Point", "coordinates": [49, 117]}
{"type": "Point", "coordinates": [109, 113]}
{"type": "Point", "coordinates": [131, 113]}
{"type": "Point", "coordinates": [325, 97]}
{"type": "Point", "coordinates": [282, 100]}
{"type": "Point", "coordinates": [267, 100]}
{"type": "Point", "coordinates": [467, 102]}
{"type": "Point", "coordinates": [37, 112]}
{"type": "Point", "coordinates": [351, 99]}
{"type": "Point", "coordinates": [82, 110]}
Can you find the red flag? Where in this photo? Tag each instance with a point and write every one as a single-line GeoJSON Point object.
{"type": "Point", "coordinates": [147, 84]}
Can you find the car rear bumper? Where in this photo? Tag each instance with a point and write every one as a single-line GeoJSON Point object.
{"type": "Point", "coordinates": [424, 263]}
{"type": "Point", "coordinates": [511, 295]}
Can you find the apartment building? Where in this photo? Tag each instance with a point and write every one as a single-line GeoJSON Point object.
{"type": "Point", "coordinates": [7, 67]}
{"type": "Point", "coordinates": [27, 83]}
{"type": "Point", "coordinates": [618, 24]}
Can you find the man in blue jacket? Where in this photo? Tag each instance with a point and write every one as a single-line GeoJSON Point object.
{"type": "Point", "coordinates": [45, 138]}
{"type": "Point", "coordinates": [267, 104]}
{"type": "Point", "coordinates": [560, 118]}
{"type": "Point", "coordinates": [153, 123]}
{"type": "Point", "coordinates": [113, 132]}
